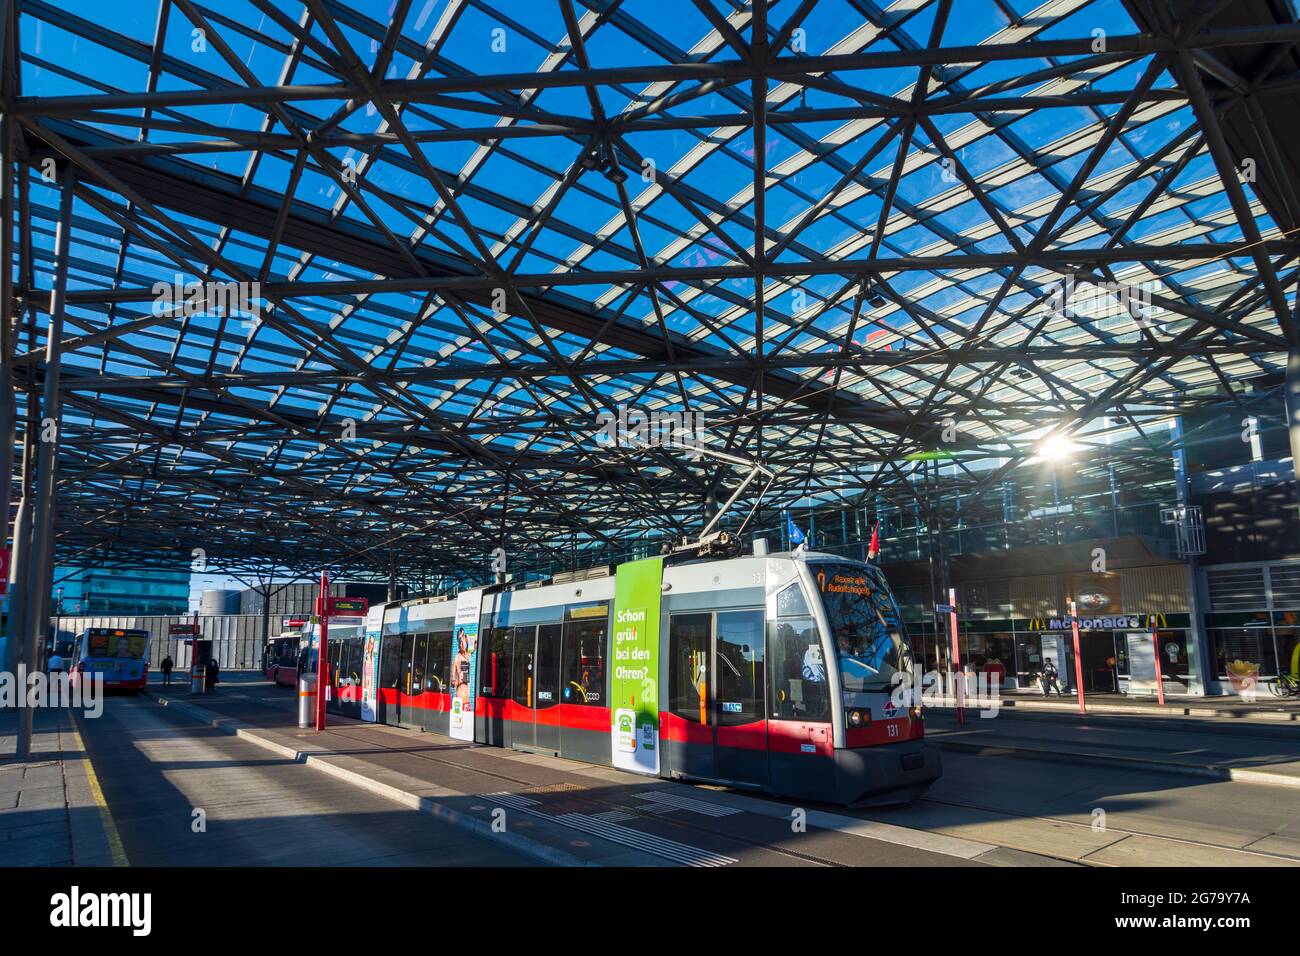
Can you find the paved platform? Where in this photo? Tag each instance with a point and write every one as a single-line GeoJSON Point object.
{"type": "Point", "coordinates": [52, 812]}
{"type": "Point", "coordinates": [570, 813]}
{"type": "Point", "coordinates": [185, 794]}
{"type": "Point", "coordinates": [1001, 801]}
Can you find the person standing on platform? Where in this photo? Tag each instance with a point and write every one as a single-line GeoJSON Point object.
{"type": "Point", "coordinates": [166, 668]}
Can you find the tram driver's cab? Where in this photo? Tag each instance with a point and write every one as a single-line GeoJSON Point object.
{"type": "Point", "coordinates": [839, 652]}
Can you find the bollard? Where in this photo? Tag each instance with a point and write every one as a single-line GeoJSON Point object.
{"type": "Point", "coordinates": [307, 700]}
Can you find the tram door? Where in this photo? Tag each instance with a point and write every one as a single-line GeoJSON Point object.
{"type": "Point", "coordinates": [536, 686]}
{"type": "Point", "coordinates": [390, 678]}
{"type": "Point", "coordinates": [405, 712]}
{"type": "Point", "coordinates": [717, 697]}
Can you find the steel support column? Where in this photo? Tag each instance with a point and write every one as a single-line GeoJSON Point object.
{"type": "Point", "coordinates": [40, 565]}
{"type": "Point", "coordinates": [1293, 410]}
{"type": "Point", "coordinates": [8, 327]}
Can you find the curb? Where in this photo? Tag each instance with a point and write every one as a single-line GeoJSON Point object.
{"type": "Point", "coordinates": [440, 811]}
{"type": "Point", "coordinates": [91, 830]}
{"type": "Point", "coordinates": [1212, 772]}
{"type": "Point", "coordinates": [1170, 711]}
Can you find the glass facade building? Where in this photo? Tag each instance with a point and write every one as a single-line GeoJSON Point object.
{"type": "Point", "coordinates": [119, 591]}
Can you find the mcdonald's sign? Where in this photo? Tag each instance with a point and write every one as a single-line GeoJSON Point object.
{"type": "Point", "coordinates": [1156, 620]}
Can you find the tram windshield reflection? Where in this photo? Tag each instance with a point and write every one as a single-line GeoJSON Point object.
{"type": "Point", "coordinates": [866, 629]}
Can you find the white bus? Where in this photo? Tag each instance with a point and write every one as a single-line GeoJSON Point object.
{"type": "Point", "coordinates": [120, 654]}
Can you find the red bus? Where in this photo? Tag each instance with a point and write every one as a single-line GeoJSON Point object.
{"type": "Point", "coordinates": [280, 660]}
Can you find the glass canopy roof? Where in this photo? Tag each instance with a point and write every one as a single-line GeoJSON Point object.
{"type": "Point", "coordinates": [450, 234]}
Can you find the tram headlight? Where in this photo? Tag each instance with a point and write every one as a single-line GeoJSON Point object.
{"type": "Point", "coordinates": [858, 718]}
{"type": "Point", "coordinates": [915, 713]}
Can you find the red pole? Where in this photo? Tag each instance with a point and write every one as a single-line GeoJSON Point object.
{"type": "Point", "coordinates": [322, 652]}
{"type": "Point", "coordinates": [958, 677]}
{"type": "Point", "coordinates": [1160, 682]}
{"type": "Point", "coordinates": [1078, 658]}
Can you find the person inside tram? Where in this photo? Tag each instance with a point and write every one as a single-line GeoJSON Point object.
{"type": "Point", "coordinates": [813, 668]}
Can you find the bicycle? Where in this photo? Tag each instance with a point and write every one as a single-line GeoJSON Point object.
{"type": "Point", "coordinates": [1286, 685]}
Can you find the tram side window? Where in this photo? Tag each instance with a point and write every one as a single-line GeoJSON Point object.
{"type": "Point", "coordinates": [798, 671]}
{"type": "Point", "coordinates": [583, 667]}
{"type": "Point", "coordinates": [438, 662]}
{"type": "Point", "coordinates": [417, 663]}
{"type": "Point", "coordinates": [791, 603]}
{"type": "Point", "coordinates": [740, 667]}
{"type": "Point", "coordinates": [391, 664]}
{"type": "Point", "coordinates": [496, 660]}
{"type": "Point", "coordinates": [356, 655]}
{"type": "Point", "coordinates": [404, 681]}
{"type": "Point", "coordinates": [525, 647]}
{"type": "Point", "coordinates": [688, 676]}
{"type": "Point", "coordinates": [332, 652]}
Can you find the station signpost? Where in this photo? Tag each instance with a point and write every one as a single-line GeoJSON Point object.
{"type": "Point", "coordinates": [1160, 681]}
{"type": "Point", "coordinates": [322, 650]}
{"type": "Point", "coordinates": [1078, 660]}
{"type": "Point", "coordinates": [958, 677]}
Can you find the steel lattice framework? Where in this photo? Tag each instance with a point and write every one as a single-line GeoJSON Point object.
{"type": "Point", "coordinates": [466, 229]}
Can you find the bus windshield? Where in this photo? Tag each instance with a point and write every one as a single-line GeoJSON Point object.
{"type": "Point", "coordinates": [116, 643]}
{"type": "Point", "coordinates": [866, 628]}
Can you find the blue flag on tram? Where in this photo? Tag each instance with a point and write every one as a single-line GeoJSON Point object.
{"type": "Point", "coordinates": [796, 536]}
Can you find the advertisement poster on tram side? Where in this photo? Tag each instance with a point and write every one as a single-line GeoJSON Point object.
{"type": "Point", "coordinates": [370, 664]}
{"type": "Point", "coordinates": [464, 663]}
{"type": "Point", "coordinates": [634, 692]}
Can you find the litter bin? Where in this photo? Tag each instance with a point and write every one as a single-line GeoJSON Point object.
{"type": "Point", "coordinates": [307, 700]}
{"type": "Point", "coordinates": [197, 683]}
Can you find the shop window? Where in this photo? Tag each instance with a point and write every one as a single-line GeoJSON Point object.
{"type": "Point", "coordinates": [1288, 650]}
{"type": "Point", "coordinates": [1239, 649]}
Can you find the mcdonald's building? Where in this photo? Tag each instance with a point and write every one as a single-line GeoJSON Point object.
{"type": "Point", "coordinates": [1015, 623]}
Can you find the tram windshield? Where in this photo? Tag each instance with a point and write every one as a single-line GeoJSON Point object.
{"type": "Point", "coordinates": [866, 629]}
